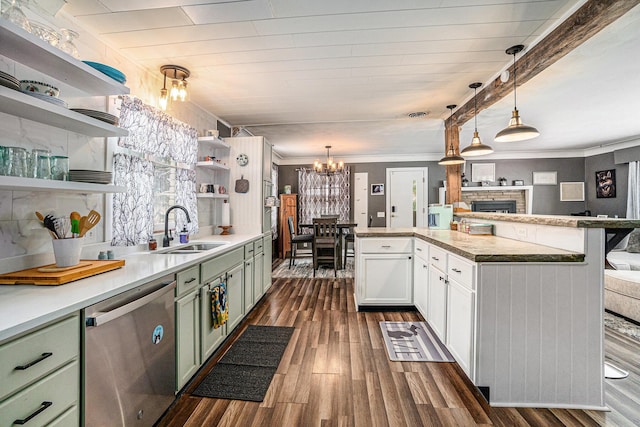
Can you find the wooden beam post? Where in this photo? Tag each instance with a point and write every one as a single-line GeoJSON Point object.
{"type": "Point", "coordinates": [587, 21]}
{"type": "Point", "coordinates": [454, 180]}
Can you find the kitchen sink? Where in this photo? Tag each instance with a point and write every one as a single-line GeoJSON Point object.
{"type": "Point", "coordinates": [191, 249]}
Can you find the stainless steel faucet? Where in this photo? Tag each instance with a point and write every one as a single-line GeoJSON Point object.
{"type": "Point", "coordinates": [166, 239]}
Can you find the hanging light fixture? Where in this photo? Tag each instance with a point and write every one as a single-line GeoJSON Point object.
{"type": "Point", "coordinates": [330, 167]}
{"type": "Point", "coordinates": [178, 76]}
{"type": "Point", "coordinates": [451, 158]}
{"type": "Point", "coordinates": [476, 148]}
{"type": "Point", "coordinates": [516, 131]}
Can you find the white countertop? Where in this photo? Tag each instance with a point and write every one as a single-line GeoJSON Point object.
{"type": "Point", "coordinates": [24, 307]}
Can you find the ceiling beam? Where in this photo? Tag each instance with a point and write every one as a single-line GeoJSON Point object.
{"type": "Point", "coordinates": [587, 21]}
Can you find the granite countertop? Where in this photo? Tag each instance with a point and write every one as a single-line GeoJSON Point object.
{"type": "Point", "coordinates": [478, 248]}
{"type": "Point", "coordinates": [554, 220]}
{"type": "Point", "coordinates": [24, 307]}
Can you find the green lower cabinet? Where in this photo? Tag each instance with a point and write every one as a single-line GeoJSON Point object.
{"type": "Point", "coordinates": [210, 337]}
{"type": "Point", "coordinates": [258, 271]}
{"type": "Point", "coordinates": [187, 337]}
{"type": "Point", "coordinates": [249, 268]}
{"type": "Point", "coordinates": [235, 296]}
{"type": "Point", "coordinates": [267, 249]}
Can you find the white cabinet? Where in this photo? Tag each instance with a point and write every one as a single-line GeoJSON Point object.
{"type": "Point", "coordinates": [437, 302]}
{"type": "Point", "coordinates": [421, 276]}
{"type": "Point", "coordinates": [384, 271]}
{"type": "Point", "coordinates": [460, 324]}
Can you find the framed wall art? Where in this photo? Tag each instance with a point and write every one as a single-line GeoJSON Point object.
{"type": "Point", "coordinates": [545, 178]}
{"type": "Point", "coordinates": [606, 184]}
{"type": "Point", "coordinates": [483, 172]}
{"type": "Point", "coordinates": [572, 191]}
{"type": "Point", "coordinates": [377, 189]}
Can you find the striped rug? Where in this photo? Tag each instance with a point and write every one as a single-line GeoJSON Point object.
{"type": "Point", "coordinates": [413, 342]}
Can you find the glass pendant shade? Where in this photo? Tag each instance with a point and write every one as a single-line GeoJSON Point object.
{"type": "Point", "coordinates": [178, 90]}
{"type": "Point", "coordinates": [516, 131]}
{"type": "Point", "coordinates": [164, 99]}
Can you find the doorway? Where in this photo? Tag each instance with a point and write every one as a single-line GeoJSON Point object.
{"type": "Point", "coordinates": [407, 197]}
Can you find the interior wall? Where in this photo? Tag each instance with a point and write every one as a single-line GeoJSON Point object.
{"type": "Point", "coordinates": [606, 206]}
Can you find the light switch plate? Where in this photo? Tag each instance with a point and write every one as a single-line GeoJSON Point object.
{"type": "Point", "coordinates": [380, 214]}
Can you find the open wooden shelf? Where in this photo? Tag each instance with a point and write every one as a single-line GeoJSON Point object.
{"type": "Point", "coordinates": [14, 183]}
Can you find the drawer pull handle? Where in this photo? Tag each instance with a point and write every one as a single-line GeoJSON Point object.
{"type": "Point", "coordinates": [456, 270]}
{"type": "Point", "coordinates": [44, 405]}
{"type": "Point", "coordinates": [435, 258]}
{"type": "Point", "coordinates": [385, 246]}
{"type": "Point", "coordinates": [442, 279]}
{"type": "Point", "coordinates": [190, 280]}
{"type": "Point", "coordinates": [419, 249]}
{"type": "Point", "coordinates": [30, 364]}
{"type": "Point", "coordinates": [424, 266]}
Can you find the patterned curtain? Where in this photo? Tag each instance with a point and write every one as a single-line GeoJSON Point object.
{"type": "Point", "coordinates": [633, 197]}
{"type": "Point", "coordinates": [133, 209]}
{"type": "Point", "coordinates": [153, 134]}
{"type": "Point", "coordinates": [323, 194]}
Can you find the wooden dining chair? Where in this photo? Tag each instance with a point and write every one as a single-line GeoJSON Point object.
{"type": "Point", "coordinates": [325, 243]}
{"type": "Point", "coordinates": [296, 239]}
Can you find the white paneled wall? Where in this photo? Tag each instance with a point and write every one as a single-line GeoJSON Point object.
{"type": "Point", "coordinates": [540, 334]}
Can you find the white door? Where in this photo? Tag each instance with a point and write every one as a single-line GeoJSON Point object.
{"type": "Point", "coordinates": [360, 199]}
{"type": "Point", "coordinates": [407, 199]}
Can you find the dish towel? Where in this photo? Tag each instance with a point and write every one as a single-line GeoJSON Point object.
{"type": "Point", "coordinates": [219, 308]}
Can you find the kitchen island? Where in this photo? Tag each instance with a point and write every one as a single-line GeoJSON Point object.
{"type": "Point", "coordinates": [521, 311]}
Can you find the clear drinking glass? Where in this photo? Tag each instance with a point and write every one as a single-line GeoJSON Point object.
{"type": "Point", "coordinates": [45, 33]}
{"type": "Point", "coordinates": [15, 14]}
{"type": "Point", "coordinates": [18, 164]}
{"type": "Point", "coordinates": [66, 42]}
{"type": "Point", "coordinates": [60, 168]}
{"type": "Point", "coordinates": [3, 160]}
{"type": "Point", "coordinates": [39, 164]}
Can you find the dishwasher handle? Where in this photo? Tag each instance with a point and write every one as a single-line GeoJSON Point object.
{"type": "Point", "coordinates": [100, 318]}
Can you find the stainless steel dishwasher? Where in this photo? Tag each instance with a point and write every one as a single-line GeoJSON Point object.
{"type": "Point", "coordinates": [130, 356]}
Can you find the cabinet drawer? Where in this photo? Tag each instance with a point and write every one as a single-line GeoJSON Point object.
{"type": "Point", "coordinates": [248, 250]}
{"type": "Point", "coordinates": [461, 271]}
{"type": "Point", "coordinates": [258, 246]}
{"type": "Point", "coordinates": [52, 396]}
{"type": "Point", "coordinates": [391, 245]}
{"type": "Point", "coordinates": [69, 418]}
{"type": "Point", "coordinates": [187, 280]}
{"type": "Point", "coordinates": [421, 249]}
{"type": "Point", "coordinates": [438, 258]}
{"type": "Point", "coordinates": [220, 264]}
{"type": "Point", "coordinates": [26, 359]}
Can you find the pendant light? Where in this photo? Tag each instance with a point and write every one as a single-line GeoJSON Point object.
{"type": "Point", "coordinates": [516, 131]}
{"type": "Point", "coordinates": [178, 90]}
{"type": "Point", "coordinates": [451, 158]}
{"type": "Point", "coordinates": [477, 148]}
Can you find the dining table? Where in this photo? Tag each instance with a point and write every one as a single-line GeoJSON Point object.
{"type": "Point", "coordinates": [342, 225]}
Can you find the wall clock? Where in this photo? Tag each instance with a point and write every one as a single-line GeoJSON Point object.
{"type": "Point", "coordinates": [242, 159]}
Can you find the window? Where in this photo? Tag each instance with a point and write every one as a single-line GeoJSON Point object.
{"type": "Point", "coordinates": [323, 194]}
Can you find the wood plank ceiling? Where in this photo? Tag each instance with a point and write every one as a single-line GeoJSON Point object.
{"type": "Point", "coordinates": [306, 73]}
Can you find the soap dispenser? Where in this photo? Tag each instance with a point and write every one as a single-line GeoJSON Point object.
{"type": "Point", "coordinates": [184, 235]}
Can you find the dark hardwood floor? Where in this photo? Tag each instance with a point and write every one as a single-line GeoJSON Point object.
{"type": "Point", "coordinates": [335, 372]}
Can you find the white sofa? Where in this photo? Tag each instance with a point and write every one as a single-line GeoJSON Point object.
{"type": "Point", "coordinates": [622, 292]}
{"type": "Point", "coordinates": [623, 260]}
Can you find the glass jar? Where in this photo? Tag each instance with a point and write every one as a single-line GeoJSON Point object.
{"type": "Point", "coordinates": [66, 42]}
{"type": "Point", "coordinates": [60, 168]}
{"type": "Point", "coordinates": [18, 164]}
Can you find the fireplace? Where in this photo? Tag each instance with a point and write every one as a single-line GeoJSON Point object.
{"type": "Point", "coordinates": [502, 206]}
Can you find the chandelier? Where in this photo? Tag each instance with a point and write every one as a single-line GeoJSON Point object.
{"type": "Point", "coordinates": [178, 76]}
{"type": "Point", "coordinates": [330, 166]}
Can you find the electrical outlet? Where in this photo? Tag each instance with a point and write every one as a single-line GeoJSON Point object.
{"type": "Point", "coordinates": [380, 214]}
{"type": "Point", "coordinates": [90, 236]}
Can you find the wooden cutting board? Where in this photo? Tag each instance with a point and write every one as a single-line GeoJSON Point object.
{"type": "Point", "coordinates": [52, 275]}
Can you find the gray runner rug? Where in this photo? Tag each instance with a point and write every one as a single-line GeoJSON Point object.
{"type": "Point", "coordinates": [247, 368]}
{"type": "Point", "coordinates": [413, 342]}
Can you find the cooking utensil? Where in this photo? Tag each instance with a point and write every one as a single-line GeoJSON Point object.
{"type": "Point", "coordinates": [50, 223]}
{"type": "Point", "coordinates": [62, 227]}
{"type": "Point", "coordinates": [92, 219]}
{"type": "Point", "coordinates": [75, 223]}
{"type": "Point", "coordinates": [41, 218]}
